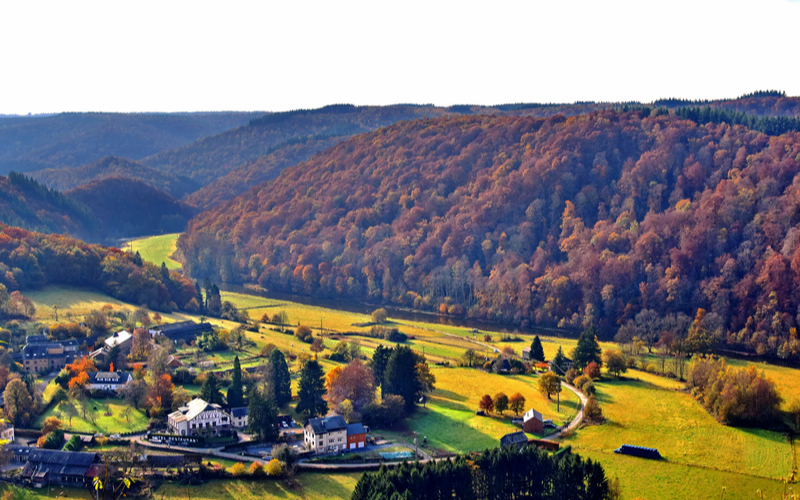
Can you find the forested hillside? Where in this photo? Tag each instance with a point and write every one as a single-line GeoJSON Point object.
{"type": "Point", "coordinates": [26, 203]}
{"type": "Point", "coordinates": [72, 139]}
{"type": "Point", "coordinates": [262, 169]}
{"type": "Point", "coordinates": [212, 157]}
{"type": "Point", "coordinates": [128, 208]}
{"type": "Point", "coordinates": [64, 179]}
{"type": "Point", "coordinates": [567, 221]}
{"type": "Point", "coordinates": [30, 260]}
{"type": "Point", "coordinates": [101, 211]}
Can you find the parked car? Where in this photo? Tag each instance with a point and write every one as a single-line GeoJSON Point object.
{"type": "Point", "coordinates": [480, 413]}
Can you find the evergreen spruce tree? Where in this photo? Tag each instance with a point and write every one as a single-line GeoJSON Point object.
{"type": "Point", "coordinates": [235, 391]}
{"type": "Point", "coordinates": [281, 380]}
{"type": "Point", "coordinates": [379, 360]}
{"type": "Point", "coordinates": [557, 363]}
{"type": "Point", "coordinates": [262, 418]}
{"type": "Point", "coordinates": [210, 391]}
{"type": "Point", "coordinates": [312, 390]}
{"type": "Point", "coordinates": [587, 350]}
{"type": "Point", "coordinates": [399, 377]}
{"type": "Point", "coordinates": [537, 351]}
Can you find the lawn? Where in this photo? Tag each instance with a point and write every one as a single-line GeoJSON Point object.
{"type": "Point", "coordinates": [116, 423]}
{"type": "Point", "coordinates": [157, 249]}
{"type": "Point", "coordinates": [642, 414]}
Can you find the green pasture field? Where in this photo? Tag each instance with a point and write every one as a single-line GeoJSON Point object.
{"type": "Point", "coordinates": [449, 421]}
{"type": "Point", "coordinates": [114, 424]}
{"type": "Point", "coordinates": [157, 249]}
{"type": "Point", "coordinates": [642, 414]}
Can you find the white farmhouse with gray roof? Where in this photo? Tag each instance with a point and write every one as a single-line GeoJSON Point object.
{"type": "Point", "coordinates": [198, 417]}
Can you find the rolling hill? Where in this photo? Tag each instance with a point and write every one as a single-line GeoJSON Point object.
{"type": "Point", "coordinates": [127, 208]}
{"type": "Point", "coordinates": [64, 179]}
{"type": "Point", "coordinates": [212, 157]}
{"type": "Point", "coordinates": [71, 139]}
{"type": "Point", "coordinates": [558, 221]}
{"type": "Point", "coordinates": [27, 204]}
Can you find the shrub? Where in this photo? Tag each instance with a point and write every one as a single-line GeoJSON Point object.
{"type": "Point", "coordinates": [651, 368]}
{"type": "Point", "coordinates": [256, 470]}
{"type": "Point", "coordinates": [592, 413]}
{"type": "Point", "coordinates": [274, 468]}
{"type": "Point", "coordinates": [570, 376]}
{"type": "Point", "coordinates": [303, 333]}
{"type": "Point", "coordinates": [581, 381]}
{"type": "Point", "coordinates": [379, 316]}
{"type": "Point", "coordinates": [588, 388]}
{"type": "Point", "coordinates": [74, 444]}
{"type": "Point", "coordinates": [238, 470]}
{"type": "Point", "coordinates": [592, 370]}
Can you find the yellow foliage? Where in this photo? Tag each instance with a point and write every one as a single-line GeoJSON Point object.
{"type": "Point", "coordinates": [274, 468]}
{"type": "Point", "coordinates": [237, 470]}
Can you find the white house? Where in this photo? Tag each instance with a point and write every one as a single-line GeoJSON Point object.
{"type": "Point", "coordinates": [198, 417]}
{"type": "Point", "coordinates": [122, 339]}
{"type": "Point", "coordinates": [239, 416]}
{"type": "Point", "coordinates": [108, 381]}
{"type": "Point", "coordinates": [326, 434]}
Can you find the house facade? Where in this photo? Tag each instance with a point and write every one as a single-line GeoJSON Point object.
{"type": "Point", "coordinates": [108, 381]}
{"type": "Point", "coordinates": [533, 421]}
{"type": "Point", "coordinates": [356, 436]}
{"type": "Point", "coordinates": [326, 434]}
{"type": "Point", "coordinates": [199, 418]}
{"type": "Point", "coordinates": [41, 355]}
{"type": "Point", "coordinates": [239, 417]}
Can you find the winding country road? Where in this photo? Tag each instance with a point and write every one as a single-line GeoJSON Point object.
{"type": "Point", "coordinates": [578, 418]}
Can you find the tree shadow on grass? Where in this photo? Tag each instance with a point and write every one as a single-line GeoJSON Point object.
{"type": "Point", "coordinates": [445, 394]}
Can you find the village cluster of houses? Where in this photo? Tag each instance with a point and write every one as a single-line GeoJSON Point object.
{"type": "Point", "coordinates": [41, 355]}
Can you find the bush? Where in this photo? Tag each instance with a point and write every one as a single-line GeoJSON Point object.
{"type": "Point", "coordinates": [592, 370]}
{"type": "Point", "coordinates": [237, 470]}
{"type": "Point", "coordinates": [570, 376]}
{"type": "Point", "coordinates": [579, 382]}
{"type": "Point", "coordinates": [592, 413]}
{"type": "Point", "coordinates": [651, 368]}
{"type": "Point", "coordinates": [588, 388]}
{"type": "Point", "coordinates": [52, 441]}
{"type": "Point", "coordinates": [256, 470]}
{"type": "Point", "coordinates": [379, 316]}
{"type": "Point", "coordinates": [274, 468]}
{"type": "Point", "coordinates": [304, 334]}
{"type": "Point", "coordinates": [74, 444]}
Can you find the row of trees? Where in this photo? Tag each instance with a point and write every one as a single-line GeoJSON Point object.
{"type": "Point", "coordinates": [501, 473]}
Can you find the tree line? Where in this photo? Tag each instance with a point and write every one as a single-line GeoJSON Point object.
{"type": "Point", "coordinates": [501, 473]}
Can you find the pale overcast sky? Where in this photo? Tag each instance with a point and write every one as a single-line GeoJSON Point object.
{"type": "Point", "coordinates": [246, 55]}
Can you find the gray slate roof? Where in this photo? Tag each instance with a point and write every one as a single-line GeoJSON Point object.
{"type": "Point", "coordinates": [513, 438]}
{"type": "Point", "coordinates": [240, 412]}
{"type": "Point", "coordinates": [356, 428]}
{"type": "Point", "coordinates": [323, 425]}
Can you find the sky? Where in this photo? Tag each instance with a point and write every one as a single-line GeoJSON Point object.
{"type": "Point", "coordinates": [172, 55]}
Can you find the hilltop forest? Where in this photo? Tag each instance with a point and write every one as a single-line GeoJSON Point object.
{"type": "Point", "coordinates": [31, 260]}
{"type": "Point", "coordinates": [610, 218]}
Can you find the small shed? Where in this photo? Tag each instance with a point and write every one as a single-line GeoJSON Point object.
{"type": "Point", "coordinates": [526, 353]}
{"type": "Point", "coordinates": [514, 439]}
{"type": "Point", "coordinates": [533, 421]}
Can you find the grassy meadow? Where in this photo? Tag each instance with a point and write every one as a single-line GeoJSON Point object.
{"type": "Point", "coordinates": [157, 249]}
{"type": "Point", "coordinates": [96, 419]}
